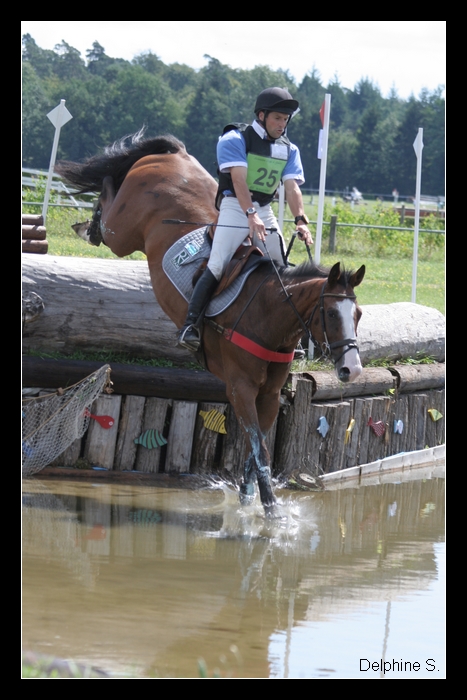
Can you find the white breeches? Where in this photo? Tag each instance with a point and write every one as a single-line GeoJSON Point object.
{"type": "Point", "coordinates": [227, 240]}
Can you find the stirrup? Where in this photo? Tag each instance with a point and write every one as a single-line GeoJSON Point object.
{"type": "Point", "coordinates": [192, 342]}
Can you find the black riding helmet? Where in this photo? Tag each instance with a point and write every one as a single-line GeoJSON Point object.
{"type": "Point", "coordinates": [276, 100]}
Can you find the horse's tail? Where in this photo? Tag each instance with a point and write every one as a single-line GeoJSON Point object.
{"type": "Point", "coordinates": [115, 160]}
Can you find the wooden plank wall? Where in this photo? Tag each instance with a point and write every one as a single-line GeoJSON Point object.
{"type": "Point", "coordinates": [294, 442]}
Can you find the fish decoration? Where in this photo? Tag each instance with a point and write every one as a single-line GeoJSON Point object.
{"type": "Point", "coordinates": [348, 432]}
{"type": "Point", "coordinates": [398, 427]}
{"type": "Point", "coordinates": [97, 532]}
{"type": "Point", "coordinates": [105, 422]}
{"type": "Point", "coordinates": [323, 426]}
{"type": "Point", "coordinates": [434, 414]}
{"type": "Point", "coordinates": [214, 420]}
{"type": "Point", "coordinates": [144, 516]}
{"type": "Point", "coordinates": [378, 428]}
{"type": "Point", "coordinates": [151, 438]}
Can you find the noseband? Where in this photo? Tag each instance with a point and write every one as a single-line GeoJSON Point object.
{"type": "Point", "coordinates": [326, 347]}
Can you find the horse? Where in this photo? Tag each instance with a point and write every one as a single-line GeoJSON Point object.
{"type": "Point", "coordinates": [146, 183]}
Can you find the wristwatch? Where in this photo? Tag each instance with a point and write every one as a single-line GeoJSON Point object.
{"type": "Point", "coordinates": [301, 217]}
{"type": "Point", "coordinates": [250, 210]}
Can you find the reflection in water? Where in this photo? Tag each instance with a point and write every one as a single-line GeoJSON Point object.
{"type": "Point", "coordinates": [143, 579]}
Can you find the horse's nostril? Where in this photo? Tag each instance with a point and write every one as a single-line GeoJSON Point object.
{"type": "Point", "coordinates": [344, 374]}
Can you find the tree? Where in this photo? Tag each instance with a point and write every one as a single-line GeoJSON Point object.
{"type": "Point", "coordinates": [67, 63]}
{"type": "Point", "coordinates": [37, 129]}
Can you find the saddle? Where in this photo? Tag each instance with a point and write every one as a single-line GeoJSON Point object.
{"type": "Point", "coordinates": [244, 257]}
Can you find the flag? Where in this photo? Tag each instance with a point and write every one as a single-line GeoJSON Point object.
{"type": "Point", "coordinates": [321, 113]}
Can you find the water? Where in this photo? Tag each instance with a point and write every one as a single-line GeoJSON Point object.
{"type": "Point", "coordinates": [146, 581]}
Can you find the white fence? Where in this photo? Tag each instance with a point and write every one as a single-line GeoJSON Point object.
{"type": "Point", "coordinates": [31, 178]}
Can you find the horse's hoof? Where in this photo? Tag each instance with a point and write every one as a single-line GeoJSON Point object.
{"type": "Point", "coordinates": [247, 494]}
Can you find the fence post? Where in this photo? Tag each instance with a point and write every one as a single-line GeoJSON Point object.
{"type": "Point", "coordinates": [332, 234]}
{"type": "Point", "coordinates": [401, 222]}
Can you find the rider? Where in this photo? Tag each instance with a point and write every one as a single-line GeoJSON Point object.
{"type": "Point", "coordinates": [251, 162]}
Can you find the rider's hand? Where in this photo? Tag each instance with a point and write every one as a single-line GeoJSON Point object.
{"type": "Point", "coordinates": [256, 227]}
{"type": "Point", "coordinates": [304, 234]}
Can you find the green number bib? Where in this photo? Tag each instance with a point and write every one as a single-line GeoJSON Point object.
{"type": "Point", "coordinates": [264, 173]}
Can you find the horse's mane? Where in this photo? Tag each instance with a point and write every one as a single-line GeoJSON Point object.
{"type": "Point", "coordinates": [116, 160]}
{"type": "Point", "coordinates": [306, 269]}
{"type": "Point", "coordinates": [311, 270]}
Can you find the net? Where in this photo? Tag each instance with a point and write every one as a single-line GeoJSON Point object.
{"type": "Point", "coordinates": [51, 423]}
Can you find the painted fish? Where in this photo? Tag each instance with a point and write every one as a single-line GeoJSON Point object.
{"type": "Point", "coordinates": [104, 421]}
{"type": "Point", "coordinates": [214, 420]}
{"type": "Point", "coordinates": [151, 438]}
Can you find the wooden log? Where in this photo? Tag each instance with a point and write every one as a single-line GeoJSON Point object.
{"type": "Point", "coordinates": [357, 447]}
{"type": "Point", "coordinates": [377, 445]}
{"type": "Point", "coordinates": [207, 443]}
{"type": "Point", "coordinates": [373, 380]}
{"type": "Point", "coordinates": [130, 428]}
{"type": "Point", "coordinates": [418, 406]}
{"type": "Point", "coordinates": [332, 447]}
{"type": "Point", "coordinates": [435, 428]}
{"type": "Point", "coordinates": [156, 417]}
{"type": "Point", "coordinates": [412, 378]}
{"type": "Point", "coordinates": [180, 439]}
{"type": "Point", "coordinates": [399, 412]}
{"type": "Point", "coordinates": [94, 303]}
{"type": "Point", "coordinates": [292, 429]}
{"type": "Point", "coordinates": [34, 233]}
{"type": "Point", "coordinates": [100, 442]}
{"type": "Point", "coordinates": [39, 247]}
{"type": "Point", "coordinates": [32, 219]}
{"type": "Point", "coordinates": [137, 380]}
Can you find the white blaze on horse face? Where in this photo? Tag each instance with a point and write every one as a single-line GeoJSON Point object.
{"type": "Point", "coordinates": [351, 360]}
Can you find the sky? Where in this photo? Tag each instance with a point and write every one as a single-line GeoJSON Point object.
{"type": "Point", "coordinates": [403, 55]}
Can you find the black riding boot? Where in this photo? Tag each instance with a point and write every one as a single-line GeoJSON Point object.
{"type": "Point", "coordinates": [189, 336]}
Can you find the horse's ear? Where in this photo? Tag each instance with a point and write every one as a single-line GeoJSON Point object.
{"type": "Point", "coordinates": [334, 274]}
{"type": "Point", "coordinates": [357, 277]}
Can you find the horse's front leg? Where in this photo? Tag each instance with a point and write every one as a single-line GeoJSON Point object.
{"type": "Point", "coordinates": [242, 398]}
{"type": "Point", "coordinates": [247, 487]}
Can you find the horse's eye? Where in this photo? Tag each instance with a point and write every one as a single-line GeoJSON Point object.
{"type": "Point", "coordinates": [332, 313]}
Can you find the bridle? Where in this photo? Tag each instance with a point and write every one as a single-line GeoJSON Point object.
{"type": "Point", "coordinates": [326, 347]}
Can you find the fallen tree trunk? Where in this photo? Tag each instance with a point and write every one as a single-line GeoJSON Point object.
{"type": "Point", "coordinates": [93, 304]}
{"type": "Point", "coordinates": [130, 380]}
{"type": "Point", "coordinates": [196, 385]}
